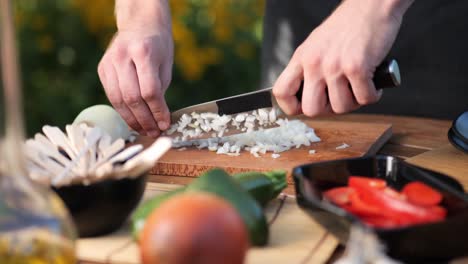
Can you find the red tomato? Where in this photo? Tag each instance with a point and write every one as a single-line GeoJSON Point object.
{"type": "Point", "coordinates": [421, 194]}
{"type": "Point", "coordinates": [339, 195]}
{"type": "Point", "coordinates": [357, 181]}
{"type": "Point", "coordinates": [194, 228]}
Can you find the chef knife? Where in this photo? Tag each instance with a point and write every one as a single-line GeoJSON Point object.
{"type": "Point", "coordinates": [387, 75]}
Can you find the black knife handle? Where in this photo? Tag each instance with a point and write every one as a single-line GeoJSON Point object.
{"type": "Point", "coordinates": [387, 75]}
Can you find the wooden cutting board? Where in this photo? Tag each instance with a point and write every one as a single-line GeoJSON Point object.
{"type": "Point", "coordinates": [363, 138]}
{"type": "Point", "coordinates": [446, 159]}
{"type": "Point", "coordinates": [294, 238]}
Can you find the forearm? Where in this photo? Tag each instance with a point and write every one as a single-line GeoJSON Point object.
{"type": "Point", "coordinates": [142, 14]}
{"type": "Point", "coordinates": [396, 7]}
{"type": "Point", "coordinates": [387, 8]}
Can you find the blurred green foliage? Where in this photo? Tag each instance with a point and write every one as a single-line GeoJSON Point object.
{"type": "Point", "coordinates": [62, 41]}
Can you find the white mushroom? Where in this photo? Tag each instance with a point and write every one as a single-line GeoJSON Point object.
{"type": "Point", "coordinates": [87, 154]}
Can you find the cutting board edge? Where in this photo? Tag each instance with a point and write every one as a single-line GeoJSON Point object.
{"type": "Point", "coordinates": [380, 142]}
{"type": "Point", "coordinates": [193, 170]}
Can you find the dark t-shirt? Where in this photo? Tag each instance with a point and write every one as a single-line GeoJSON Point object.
{"type": "Point", "coordinates": [431, 49]}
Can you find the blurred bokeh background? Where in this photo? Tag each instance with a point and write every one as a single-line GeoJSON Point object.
{"type": "Point", "coordinates": [61, 42]}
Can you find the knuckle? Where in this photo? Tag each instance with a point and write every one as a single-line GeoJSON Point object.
{"type": "Point", "coordinates": [159, 113]}
{"type": "Point", "coordinates": [120, 52]}
{"type": "Point", "coordinates": [331, 67]}
{"type": "Point", "coordinates": [159, 110]}
{"type": "Point", "coordinates": [313, 62]}
{"type": "Point", "coordinates": [149, 94]}
{"type": "Point", "coordinates": [141, 49]}
{"type": "Point", "coordinates": [132, 100]}
{"type": "Point", "coordinates": [299, 52]}
{"type": "Point", "coordinates": [309, 57]}
{"type": "Point", "coordinates": [115, 99]}
{"type": "Point", "coordinates": [129, 119]}
{"type": "Point", "coordinates": [366, 99]}
{"type": "Point", "coordinates": [119, 104]}
{"type": "Point", "coordinates": [355, 68]}
{"type": "Point", "coordinates": [278, 93]}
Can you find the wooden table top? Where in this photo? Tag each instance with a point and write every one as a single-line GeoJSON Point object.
{"type": "Point", "coordinates": [412, 136]}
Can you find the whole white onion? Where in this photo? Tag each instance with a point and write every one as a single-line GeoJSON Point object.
{"type": "Point", "coordinates": [107, 119]}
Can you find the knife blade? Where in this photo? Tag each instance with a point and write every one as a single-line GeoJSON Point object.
{"type": "Point", "coordinates": [387, 75]}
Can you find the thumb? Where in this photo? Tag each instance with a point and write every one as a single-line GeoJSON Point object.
{"type": "Point", "coordinates": [286, 87]}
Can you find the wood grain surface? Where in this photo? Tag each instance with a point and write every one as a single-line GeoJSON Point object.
{"type": "Point", "coordinates": [447, 160]}
{"type": "Point", "coordinates": [363, 138]}
{"type": "Point", "coordinates": [414, 132]}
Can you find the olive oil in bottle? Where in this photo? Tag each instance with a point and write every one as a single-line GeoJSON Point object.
{"type": "Point", "coordinates": [35, 228]}
{"type": "Point", "coordinates": [35, 245]}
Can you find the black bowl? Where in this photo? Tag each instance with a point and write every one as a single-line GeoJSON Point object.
{"type": "Point", "coordinates": [423, 243]}
{"type": "Point", "coordinates": [102, 207]}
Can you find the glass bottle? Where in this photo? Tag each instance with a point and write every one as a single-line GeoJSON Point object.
{"type": "Point", "coordinates": [34, 224]}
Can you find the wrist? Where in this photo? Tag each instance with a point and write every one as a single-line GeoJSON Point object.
{"type": "Point", "coordinates": [142, 15]}
{"type": "Point", "coordinates": [395, 8]}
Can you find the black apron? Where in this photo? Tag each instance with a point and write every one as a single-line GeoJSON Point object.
{"type": "Point", "coordinates": [431, 49]}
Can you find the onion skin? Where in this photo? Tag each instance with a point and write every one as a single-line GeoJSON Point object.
{"type": "Point", "coordinates": [106, 118]}
{"type": "Point", "coordinates": [194, 228]}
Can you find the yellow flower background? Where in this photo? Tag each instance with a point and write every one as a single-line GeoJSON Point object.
{"type": "Point", "coordinates": [217, 47]}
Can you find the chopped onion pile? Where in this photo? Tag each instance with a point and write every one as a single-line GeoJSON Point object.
{"type": "Point", "coordinates": [256, 139]}
{"type": "Point", "coordinates": [194, 125]}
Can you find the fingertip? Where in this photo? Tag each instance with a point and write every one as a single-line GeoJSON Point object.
{"type": "Point", "coordinates": [288, 105]}
{"type": "Point", "coordinates": [163, 125]}
{"type": "Point", "coordinates": [154, 133]}
{"type": "Point", "coordinates": [163, 119]}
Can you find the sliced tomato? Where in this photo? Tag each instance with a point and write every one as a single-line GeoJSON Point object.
{"type": "Point", "coordinates": [360, 208]}
{"type": "Point", "coordinates": [393, 207]}
{"type": "Point", "coordinates": [339, 195]}
{"type": "Point", "coordinates": [421, 194]}
{"type": "Point", "coordinates": [380, 222]}
{"type": "Point", "coordinates": [358, 181]}
{"type": "Point", "coordinates": [439, 212]}
{"type": "Point", "coordinates": [391, 192]}
{"type": "Point", "coordinates": [380, 206]}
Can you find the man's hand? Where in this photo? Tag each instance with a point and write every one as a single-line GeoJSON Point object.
{"type": "Point", "coordinates": [338, 59]}
{"type": "Point", "coordinates": [137, 67]}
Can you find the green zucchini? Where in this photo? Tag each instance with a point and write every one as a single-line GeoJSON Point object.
{"type": "Point", "coordinates": [220, 183]}
{"type": "Point", "coordinates": [263, 186]}
{"type": "Point", "coordinates": [138, 218]}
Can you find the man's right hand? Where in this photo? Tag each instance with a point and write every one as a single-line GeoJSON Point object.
{"type": "Point", "coordinates": [136, 70]}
